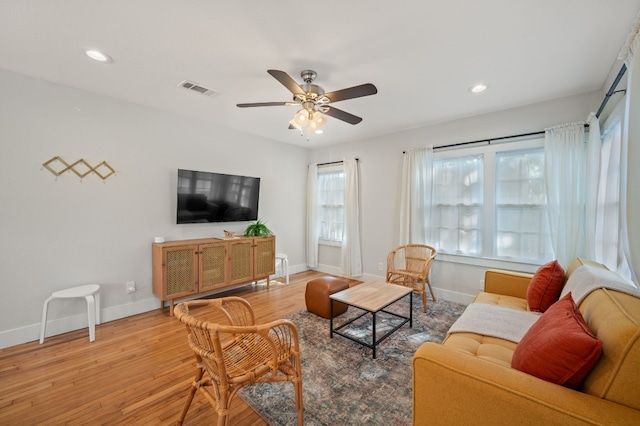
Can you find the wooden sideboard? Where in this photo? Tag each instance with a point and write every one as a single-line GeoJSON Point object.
{"type": "Point", "coordinates": [187, 268]}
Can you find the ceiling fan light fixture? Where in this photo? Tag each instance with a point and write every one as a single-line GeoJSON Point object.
{"type": "Point", "coordinates": [295, 125]}
{"type": "Point", "coordinates": [318, 121]}
{"type": "Point", "coordinates": [302, 118]}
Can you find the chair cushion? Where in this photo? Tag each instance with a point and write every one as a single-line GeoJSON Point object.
{"type": "Point", "coordinates": [545, 286]}
{"type": "Point", "coordinates": [559, 347]}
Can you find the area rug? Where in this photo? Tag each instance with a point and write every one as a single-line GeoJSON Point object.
{"type": "Point", "coordinates": [342, 383]}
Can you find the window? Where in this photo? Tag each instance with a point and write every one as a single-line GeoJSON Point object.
{"type": "Point", "coordinates": [457, 204]}
{"type": "Point", "coordinates": [491, 202]}
{"type": "Point", "coordinates": [521, 225]}
{"type": "Point", "coordinates": [331, 203]}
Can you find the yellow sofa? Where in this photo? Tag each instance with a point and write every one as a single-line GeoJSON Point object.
{"type": "Point", "coordinates": [468, 379]}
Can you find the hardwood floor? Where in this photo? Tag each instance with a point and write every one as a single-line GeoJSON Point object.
{"type": "Point", "coordinates": [137, 372]}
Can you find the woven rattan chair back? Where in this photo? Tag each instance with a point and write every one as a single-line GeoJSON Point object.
{"type": "Point", "coordinates": [232, 351]}
{"type": "Point", "coordinates": [409, 265]}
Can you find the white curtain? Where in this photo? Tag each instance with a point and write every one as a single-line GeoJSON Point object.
{"type": "Point", "coordinates": [351, 262]}
{"type": "Point", "coordinates": [415, 195]}
{"type": "Point", "coordinates": [312, 216]}
{"type": "Point", "coordinates": [594, 145]}
{"type": "Point", "coordinates": [565, 172]}
{"type": "Point", "coordinates": [630, 204]}
{"type": "Point", "coordinates": [608, 235]}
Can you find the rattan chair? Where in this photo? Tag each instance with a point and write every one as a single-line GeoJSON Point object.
{"type": "Point", "coordinates": [238, 353]}
{"type": "Point", "coordinates": [409, 265]}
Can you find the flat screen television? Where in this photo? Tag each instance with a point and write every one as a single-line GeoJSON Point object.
{"type": "Point", "coordinates": [205, 197]}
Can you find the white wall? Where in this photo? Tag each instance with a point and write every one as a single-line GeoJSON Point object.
{"type": "Point", "coordinates": [454, 277]}
{"type": "Point", "coordinates": [62, 232]}
{"type": "Point", "coordinates": [57, 233]}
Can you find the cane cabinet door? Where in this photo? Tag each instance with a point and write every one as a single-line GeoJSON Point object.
{"type": "Point", "coordinates": [240, 261]}
{"type": "Point", "coordinates": [213, 266]}
{"type": "Point", "coordinates": [264, 257]}
{"type": "Point", "coordinates": [181, 271]}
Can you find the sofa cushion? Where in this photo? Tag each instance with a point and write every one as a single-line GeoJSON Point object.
{"type": "Point", "coordinates": [545, 286]}
{"type": "Point", "coordinates": [490, 348]}
{"type": "Point", "coordinates": [501, 300]}
{"type": "Point", "coordinates": [559, 347]}
{"type": "Point", "coordinates": [615, 318]}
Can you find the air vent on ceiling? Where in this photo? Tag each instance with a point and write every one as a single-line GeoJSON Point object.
{"type": "Point", "coordinates": [190, 85]}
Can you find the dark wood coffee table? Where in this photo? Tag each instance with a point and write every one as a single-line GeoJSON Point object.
{"type": "Point", "coordinates": [372, 297]}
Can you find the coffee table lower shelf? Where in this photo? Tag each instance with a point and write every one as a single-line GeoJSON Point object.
{"type": "Point", "coordinates": [374, 342]}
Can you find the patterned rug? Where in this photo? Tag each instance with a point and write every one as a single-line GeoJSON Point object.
{"type": "Point", "coordinates": [342, 383]}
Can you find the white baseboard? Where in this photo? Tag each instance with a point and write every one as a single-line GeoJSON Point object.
{"type": "Point", "coordinates": [57, 326]}
{"type": "Point", "coordinates": [333, 270]}
{"type": "Point", "coordinates": [327, 269]}
{"type": "Point", "coordinates": [293, 269]}
{"type": "Point", "coordinates": [76, 322]}
{"type": "Point", "coordinates": [452, 296]}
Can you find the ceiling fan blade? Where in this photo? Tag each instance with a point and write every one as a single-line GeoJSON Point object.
{"type": "Point", "coordinates": [287, 81]}
{"type": "Point", "coordinates": [342, 115]}
{"type": "Point", "coordinates": [352, 92]}
{"type": "Point", "coordinates": [263, 104]}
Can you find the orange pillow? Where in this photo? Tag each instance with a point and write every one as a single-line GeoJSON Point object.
{"type": "Point", "coordinates": [545, 286]}
{"type": "Point", "coordinates": [559, 347]}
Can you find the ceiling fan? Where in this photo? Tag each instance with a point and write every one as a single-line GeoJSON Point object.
{"type": "Point", "coordinates": [313, 101]}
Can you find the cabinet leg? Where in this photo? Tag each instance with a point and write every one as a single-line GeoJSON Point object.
{"type": "Point", "coordinates": [171, 307]}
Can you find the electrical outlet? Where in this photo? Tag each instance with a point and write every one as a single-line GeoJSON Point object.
{"type": "Point", "coordinates": [131, 286]}
{"type": "Point", "coordinates": [380, 266]}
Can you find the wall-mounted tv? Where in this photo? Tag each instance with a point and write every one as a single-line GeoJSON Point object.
{"type": "Point", "coordinates": [205, 197]}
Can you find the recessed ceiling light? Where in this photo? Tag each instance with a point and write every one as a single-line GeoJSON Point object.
{"type": "Point", "coordinates": [478, 88]}
{"type": "Point", "coordinates": [97, 55]}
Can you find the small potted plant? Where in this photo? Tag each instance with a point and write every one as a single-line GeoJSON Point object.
{"type": "Point", "coordinates": [257, 229]}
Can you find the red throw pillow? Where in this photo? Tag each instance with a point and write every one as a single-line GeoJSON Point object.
{"type": "Point", "coordinates": [545, 286]}
{"type": "Point", "coordinates": [559, 347]}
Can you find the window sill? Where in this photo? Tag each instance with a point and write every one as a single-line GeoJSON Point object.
{"type": "Point", "coordinates": [330, 243]}
{"type": "Point", "coordinates": [487, 262]}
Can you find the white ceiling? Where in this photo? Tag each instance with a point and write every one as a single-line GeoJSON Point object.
{"type": "Point", "coordinates": [422, 55]}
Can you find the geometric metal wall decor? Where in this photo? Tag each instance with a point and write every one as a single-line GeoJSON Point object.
{"type": "Point", "coordinates": [81, 168]}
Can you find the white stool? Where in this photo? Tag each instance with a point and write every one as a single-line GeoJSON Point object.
{"type": "Point", "coordinates": [90, 292]}
{"type": "Point", "coordinates": [284, 265]}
